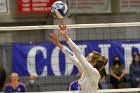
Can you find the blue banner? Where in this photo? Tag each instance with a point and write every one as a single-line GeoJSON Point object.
{"type": "Point", "coordinates": [47, 59]}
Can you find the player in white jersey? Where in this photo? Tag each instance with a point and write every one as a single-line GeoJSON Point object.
{"type": "Point", "coordinates": [90, 66]}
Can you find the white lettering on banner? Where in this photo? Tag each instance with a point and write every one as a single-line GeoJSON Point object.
{"type": "Point", "coordinates": [69, 69]}
{"type": "Point", "coordinates": [69, 65]}
{"type": "Point", "coordinates": [40, 0]}
{"type": "Point", "coordinates": [55, 66]}
{"type": "Point", "coordinates": [55, 62]}
{"type": "Point", "coordinates": [82, 48]}
{"type": "Point", "coordinates": [128, 54]}
{"type": "Point", "coordinates": [25, 1]}
{"type": "Point", "coordinates": [26, 9]}
{"type": "Point", "coordinates": [105, 52]}
{"type": "Point", "coordinates": [31, 60]}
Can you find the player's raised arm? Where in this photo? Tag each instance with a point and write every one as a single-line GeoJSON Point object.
{"type": "Point", "coordinates": [54, 39]}
{"type": "Point", "coordinates": [91, 64]}
{"type": "Point", "coordinates": [63, 31]}
{"type": "Point", "coordinates": [88, 68]}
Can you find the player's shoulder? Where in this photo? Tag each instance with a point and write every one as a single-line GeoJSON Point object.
{"type": "Point", "coordinates": [95, 72]}
{"type": "Point", "coordinates": [8, 85]}
{"type": "Point", "coordinates": [21, 84]}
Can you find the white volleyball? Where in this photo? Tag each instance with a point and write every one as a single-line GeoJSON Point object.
{"type": "Point", "coordinates": [59, 9]}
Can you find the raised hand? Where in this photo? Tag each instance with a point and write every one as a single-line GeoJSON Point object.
{"type": "Point", "coordinates": [54, 38]}
{"type": "Point", "coordinates": [63, 31]}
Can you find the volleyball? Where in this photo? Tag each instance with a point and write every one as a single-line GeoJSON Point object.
{"type": "Point", "coordinates": [59, 9]}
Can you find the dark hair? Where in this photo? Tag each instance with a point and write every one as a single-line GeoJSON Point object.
{"type": "Point", "coordinates": [3, 77]}
{"type": "Point", "coordinates": [101, 61]}
{"type": "Point", "coordinates": [116, 62]}
{"type": "Point", "coordinates": [133, 60]}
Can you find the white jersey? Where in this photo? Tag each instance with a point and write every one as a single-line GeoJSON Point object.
{"type": "Point", "coordinates": [90, 75]}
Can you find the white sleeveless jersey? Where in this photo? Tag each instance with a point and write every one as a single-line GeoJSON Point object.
{"type": "Point", "coordinates": [88, 82]}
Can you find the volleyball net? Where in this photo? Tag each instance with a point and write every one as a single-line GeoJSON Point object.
{"type": "Point", "coordinates": [27, 50]}
{"type": "Point", "coordinates": [128, 90]}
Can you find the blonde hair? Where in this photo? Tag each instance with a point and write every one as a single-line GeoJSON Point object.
{"type": "Point", "coordinates": [14, 74]}
{"type": "Point", "coordinates": [101, 61]}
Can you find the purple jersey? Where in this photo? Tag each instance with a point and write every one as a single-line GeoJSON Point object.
{"type": "Point", "coordinates": [74, 86]}
{"type": "Point", "coordinates": [20, 88]}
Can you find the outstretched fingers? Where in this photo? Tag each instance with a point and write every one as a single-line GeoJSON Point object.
{"type": "Point", "coordinates": [53, 36]}
{"type": "Point", "coordinates": [50, 39]}
{"type": "Point", "coordinates": [62, 26]}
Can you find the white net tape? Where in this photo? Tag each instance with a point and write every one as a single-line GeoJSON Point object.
{"type": "Point", "coordinates": [131, 24]}
{"type": "Point", "coordinates": [127, 90]}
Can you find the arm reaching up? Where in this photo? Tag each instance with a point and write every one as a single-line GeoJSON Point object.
{"type": "Point", "coordinates": [63, 31]}
{"type": "Point", "coordinates": [88, 68]}
{"type": "Point", "coordinates": [66, 51]}
{"type": "Point", "coordinates": [54, 39]}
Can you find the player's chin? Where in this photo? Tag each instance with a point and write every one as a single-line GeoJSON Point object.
{"type": "Point", "coordinates": [14, 80]}
{"type": "Point", "coordinates": [88, 61]}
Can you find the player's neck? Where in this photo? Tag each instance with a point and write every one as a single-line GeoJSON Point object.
{"type": "Point", "coordinates": [14, 84]}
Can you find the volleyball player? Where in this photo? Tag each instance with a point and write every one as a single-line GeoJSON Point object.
{"type": "Point", "coordinates": [90, 66]}
{"type": "Point", "coordinates": [14, 85]}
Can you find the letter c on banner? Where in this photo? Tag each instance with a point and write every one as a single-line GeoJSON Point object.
{"type": "Point", "coordinates": [55, 63]}
{"type": "Point", "coordinates": [31, 58]}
